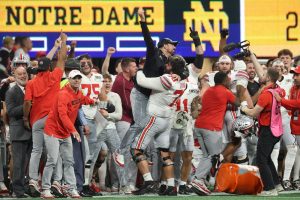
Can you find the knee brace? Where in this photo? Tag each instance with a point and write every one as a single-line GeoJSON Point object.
{"type": "Point", "coordinates": [140, 156]}
{"type": "Point", "coordinates": [167, 161]}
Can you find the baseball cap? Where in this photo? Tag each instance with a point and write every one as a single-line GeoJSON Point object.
{"type": "Point", "coordinates": [296, 70]}
{"type": "Point", "coordinates": [74, 73]}
{"type": "Point", "coordinates": [44, 64]}
{"type": "Point", "coordinates": [164, 41]}
{"type": "Point", "coordinates": [40, 54]}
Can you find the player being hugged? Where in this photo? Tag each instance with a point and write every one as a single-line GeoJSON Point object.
{"type": "Point", "coordinates": [166, 90]}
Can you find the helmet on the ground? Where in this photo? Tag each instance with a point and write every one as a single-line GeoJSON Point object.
{"type": "Point", "coordinates": [20, 59]}
{"type": "Point", "coordinates": [243, 126]}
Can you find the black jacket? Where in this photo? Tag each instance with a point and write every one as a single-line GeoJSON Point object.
{"type": "Point", "coordinates": [155, 60]}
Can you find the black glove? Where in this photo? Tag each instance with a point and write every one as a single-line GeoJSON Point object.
{"type": "Point", "coordinates": [195, 36]}
{"type": "Point", "coordinates": [224, 33]}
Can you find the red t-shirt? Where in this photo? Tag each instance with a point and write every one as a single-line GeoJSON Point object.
{"type": "Point", "coordinates": [62, 116]}
{"type": "Point", "coordinates": [214, 103]}
{"type": "Point", "coordinates": [123, 88]}
{"type": "Point", "coordinates": [265, 101]}
{"type": "Point", "coordinates": [42, 91]}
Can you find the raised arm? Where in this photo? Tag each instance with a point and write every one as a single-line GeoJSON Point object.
{"type": "Point", "coordinates": [72, 50]}
{"type": "Point", "coordinates": [146, 33]}
{"type": "Point", "coordinates": [198, 62]}
{"type": "Point", "coordinates": [150, 83]}
{"type": "Point", "coordinates": [62, 53]}
{"type": "Point", "coordinates": [105, 65]}
{"type": "Point", "coordinates": [223, 40]}
{"type": "Point", "coordinates": [57, 44]}
{"type": "Point", "coordinates": [258, 68]}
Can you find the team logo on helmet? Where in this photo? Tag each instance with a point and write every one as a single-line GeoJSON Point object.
{"type": "Point", "coordinates": [243, 126]}
{"type": "Point", "coordinates": [181, 120]}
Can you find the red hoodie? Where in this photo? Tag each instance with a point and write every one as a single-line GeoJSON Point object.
{"type": "Point", "coordinates": [293, 104]}
{"type": "Point", "coordinates": [62, 116]}
{"type": "Point", "coordinates": [42, 91]}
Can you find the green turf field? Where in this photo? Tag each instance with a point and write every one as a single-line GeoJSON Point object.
{"type": "Point", "coordinates": [293, 195]}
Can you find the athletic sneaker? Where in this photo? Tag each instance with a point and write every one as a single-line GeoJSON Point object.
{"type": "Point", "coordinates": [56, 189]}
{"type": "Point", "coordinates": [184, 189]}
{"type": "Point", "coordinates": [46, 194]}
{"type": "Point", "coordinates": [119, 159]}
{"type": "Point", "coordinates": [34, 188]}
{"type": "Point", "coordinates": [268, 193]}
{"type": "Point", "coordinates": [147, 187]}
{"type": "Point", "coordinates": [3, 188]}
{"type": "Point", "coordinates": [279, 188]}
{"type": "Point", "coordinates": [296, 184]}
{"type": "Point", "coordinates": [287, 186]}
{"type": "Point", "coordinates": [73, 194]}
{"type": "Point", "coordinates": [200, 188]}
{"type": "Point", "coordinates": [94, 188]}
{"type": "Point", "coordinates": [114, 189]}
{"type": "Point", "coordinates": [170, 191]}
{"type": "Point", "coordinates": [162, 189]}
{"type": "Point", "coordinates": [215, 162]}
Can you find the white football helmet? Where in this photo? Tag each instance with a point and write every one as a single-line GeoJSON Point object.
{"type": "Point", "coordinates": [20, 59]}
{"type": "Point", "coordinates": [242, 126]}
{"type": "Point", "coordinates": [181, 120]}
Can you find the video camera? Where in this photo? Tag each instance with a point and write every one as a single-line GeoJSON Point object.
{"type": "Point", "coordinates": [243, 45]}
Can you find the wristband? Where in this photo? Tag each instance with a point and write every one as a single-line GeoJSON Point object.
{"type": "Point", "coordinates": [198, 62]}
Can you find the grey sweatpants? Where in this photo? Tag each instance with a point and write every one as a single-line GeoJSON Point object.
{"type": "Point", "coordinates": [37, 147]}
{"type": "Point", "coordinates": [211, 144]}
{"type": "Point", "coordinates": [64, 148]}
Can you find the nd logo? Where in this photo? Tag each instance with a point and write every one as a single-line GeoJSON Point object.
{"type": "Point", "coordinates": [207, 23]}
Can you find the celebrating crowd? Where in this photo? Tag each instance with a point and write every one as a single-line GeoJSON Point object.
{"type": "Point", "coordinates": [160, 125]}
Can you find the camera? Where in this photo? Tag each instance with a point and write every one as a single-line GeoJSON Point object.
{"type": "Point", "coordinates": [243, 45]}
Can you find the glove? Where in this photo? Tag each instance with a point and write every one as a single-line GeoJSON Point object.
{"type": "Point", "coordinates": [224, 33]}
{"type": "Point", "coordinates": [195, 36]}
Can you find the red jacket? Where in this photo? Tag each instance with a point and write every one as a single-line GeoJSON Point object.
{"type": "Point", "coordinates": [293, 104]}
{"type": "Point", "coordinates": [62, 116]}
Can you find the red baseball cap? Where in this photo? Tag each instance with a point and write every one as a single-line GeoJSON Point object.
{"type": "Point", "coordinates": [296, 70]}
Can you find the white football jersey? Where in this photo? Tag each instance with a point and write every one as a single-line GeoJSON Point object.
{"type": "Point", "coordinates": [185, 101]}
{"type": "Point", "coordinates": [286, 83]}
{"type": "Point", "coordinates": [162, 104]}
{"type": "Point", "coordinates": [91, 87]}
{"type": "Point", "coordinates": [236, 77]}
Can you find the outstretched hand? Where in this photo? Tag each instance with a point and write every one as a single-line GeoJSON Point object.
{"type": "Point", "coordinates": [141, 13]}
{"type": "Point", "coordinates": [224, 33]}
{"type": "Point", "coordinates": [195, 36]}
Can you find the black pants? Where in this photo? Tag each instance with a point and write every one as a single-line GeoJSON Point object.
{"type": "Point", "coordinates": [78, 153]}
{"type": "Point", "coordinates": [21, 151]}
{"type": "Point", "coordinates": [265, 145]}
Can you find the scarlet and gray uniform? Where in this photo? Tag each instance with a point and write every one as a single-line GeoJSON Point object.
{"type": "Point", "coordinates": [91, 87]}
{"type": "Point", "coordinates": [160, 110]}
{"type": "Point", "coordinates": [182, 135]}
